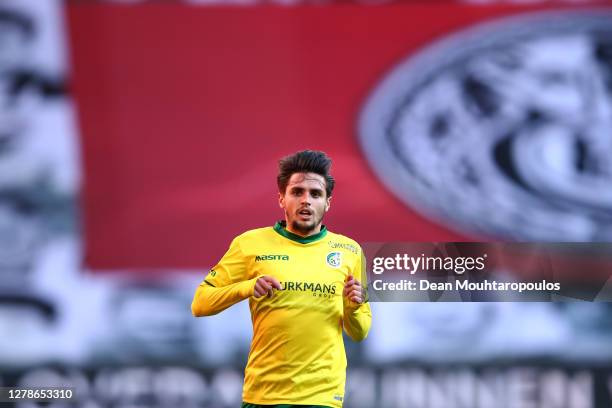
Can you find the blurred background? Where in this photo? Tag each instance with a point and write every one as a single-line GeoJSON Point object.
{"type": "Point", "coordinates": [137, 138]}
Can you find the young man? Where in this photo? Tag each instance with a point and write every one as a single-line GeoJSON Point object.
{"type": "Point", "coordinates": [304, 286]}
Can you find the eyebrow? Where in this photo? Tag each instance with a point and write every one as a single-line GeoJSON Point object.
{"type": "Point", "coordinates": [294, 188]}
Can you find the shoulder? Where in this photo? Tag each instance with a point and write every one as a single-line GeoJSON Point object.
{"type": "Point", "coordinates": [254, 235]}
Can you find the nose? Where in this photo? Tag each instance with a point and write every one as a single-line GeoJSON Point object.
{"type": "Point", "coordinates": [306, 198]}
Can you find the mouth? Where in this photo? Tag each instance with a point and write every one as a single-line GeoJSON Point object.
{"type": "Point", "coordinates": [305, 213]}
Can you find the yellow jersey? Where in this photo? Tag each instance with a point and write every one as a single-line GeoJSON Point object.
{"type": "Point", "coordinates": [297, 353]}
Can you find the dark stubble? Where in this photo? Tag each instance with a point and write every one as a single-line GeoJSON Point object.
{"type": "Point", "coordinates": [305, 229]}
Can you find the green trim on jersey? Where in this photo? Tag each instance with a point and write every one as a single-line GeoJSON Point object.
{"type": "Point", "coordinates": [247, 405]}
{"type": "Point", "coordinates": [280, 228]}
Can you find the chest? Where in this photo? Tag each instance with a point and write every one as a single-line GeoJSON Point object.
{"type": "Point", "coordinates": [315, 263]}
{"type": "Point", "coordinates": [315, 272]}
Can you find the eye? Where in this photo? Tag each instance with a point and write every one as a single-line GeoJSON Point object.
{"type": "Point", "coordinates": [316, 194]}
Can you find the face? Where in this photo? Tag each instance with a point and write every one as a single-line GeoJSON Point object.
{"type": "Point", "coordinates": [305, 203]}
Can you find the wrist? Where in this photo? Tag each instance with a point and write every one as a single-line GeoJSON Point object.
{"type": "Point", "coordinates": [247, 288]}
{"type": "Point", "coordinates": [350, 305]}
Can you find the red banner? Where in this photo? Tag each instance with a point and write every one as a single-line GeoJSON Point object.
{"type": "Point", "coordinates": [185, 111]}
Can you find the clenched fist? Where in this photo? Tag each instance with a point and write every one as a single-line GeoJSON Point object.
{"type": "Point", "coordinates": [353, 290]}
{"type": "Point", "coordinates": [265, 285]}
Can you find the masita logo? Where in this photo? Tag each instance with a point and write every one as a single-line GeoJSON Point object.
{"type": "Point", "coordinates": [503, 129]}
{"type": "Point", "coordinates": [259, 258]}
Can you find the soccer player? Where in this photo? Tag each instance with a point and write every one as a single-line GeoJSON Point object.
{"type": "Point", "coordinates": [304, 285]}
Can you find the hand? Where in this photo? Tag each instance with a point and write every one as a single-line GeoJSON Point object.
{"type": "Point", "coordinates": [265, 285]}
{"type": "Point", "coordinates": [353, 290]}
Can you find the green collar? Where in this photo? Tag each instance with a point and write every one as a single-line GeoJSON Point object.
{"type": "Point", "coordinates": [280, 227]}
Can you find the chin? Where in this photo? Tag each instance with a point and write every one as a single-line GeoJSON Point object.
{"type": "Point", "coordinates": [303, 228]}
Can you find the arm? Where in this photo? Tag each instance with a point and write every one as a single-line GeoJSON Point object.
{"type": "Point", "coordinates": [357, 321]}
{"type": "Point", "coordinates": [209, 300]}
{"type": "Point", "coordinates": [227, 283]}
{"type": "Point", "coordinates": [357, 316]}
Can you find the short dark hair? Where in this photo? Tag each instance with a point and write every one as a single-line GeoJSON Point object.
{"type": "Point", "coordinates": [306, 161]}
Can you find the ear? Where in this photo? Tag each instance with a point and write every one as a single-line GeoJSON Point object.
{"type": "Point", "coordinates": [281, 200]}
{"type": "Point", "coordinates": [327, 204]}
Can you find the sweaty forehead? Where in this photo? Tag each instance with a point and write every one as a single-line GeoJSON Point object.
{"type": "Point", "coordinates": [307, 180]}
